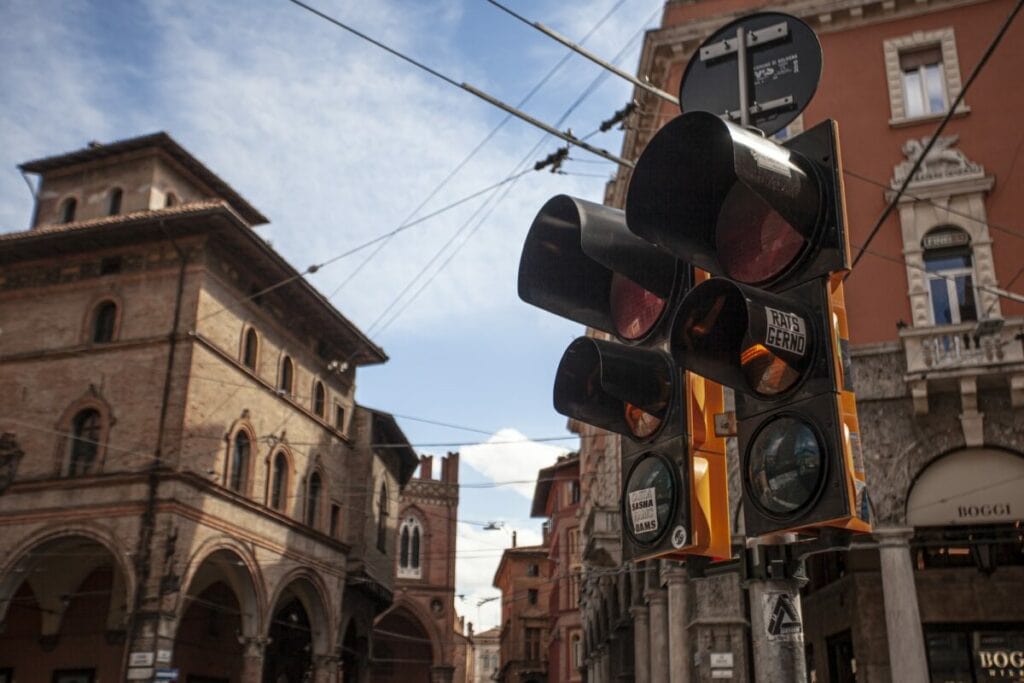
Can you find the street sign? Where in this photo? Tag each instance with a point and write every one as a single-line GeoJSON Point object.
{"type": "Point", "coordinates": [779, 65]}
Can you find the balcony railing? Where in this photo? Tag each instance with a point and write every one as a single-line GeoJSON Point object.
{"type": "Point", "coordinates": [965, 346]}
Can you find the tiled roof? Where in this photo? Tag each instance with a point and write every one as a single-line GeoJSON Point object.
{"type": "Point", "coordinates": [191, 208]}
{"type": "Point", "coordinates": [162, 141]}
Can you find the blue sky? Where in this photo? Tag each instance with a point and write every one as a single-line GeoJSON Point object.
{"type": "Point", "coordinates": [337, 142]}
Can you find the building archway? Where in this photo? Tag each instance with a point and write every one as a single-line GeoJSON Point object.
{"type": "Point", "coordinates": [65, 600]}
{"type": "Point", "coordinates": [403, 651]}
{"type": "Point", "coordinates": [219, 613]}
{"type": "Point", "coordinates": [355, 654]}
{"type": "Point", "coordinates": [297, 633]}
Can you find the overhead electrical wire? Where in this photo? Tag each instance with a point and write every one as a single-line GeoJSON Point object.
{"type": "Point", "coordinates": [480, 145]}
{"type": "Point", "coordinates": [567, 137]}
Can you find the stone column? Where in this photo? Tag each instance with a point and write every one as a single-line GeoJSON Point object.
{"type": "Point", "coordinates": [325, 668]}
{"type": "Point", "coordinates": [907, 660]}
{"type": "Point", "coordinates": [678, 619]}
{"type": "Point", "coordinates": [656, 601]}
{"type": "Point", "coordinates": [641, 644]}
{"type": "Point", "coordinates": [252, 658]}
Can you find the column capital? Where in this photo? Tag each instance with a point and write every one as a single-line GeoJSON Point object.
{"type": "Point", "coordinates": [253, 645]}
{"type": "Point", "coordinates": [639, 612]}
{"type": "Point", "coordinates": [676, 575]}
{"type": "Point", "coordinates": [893, 537]}
{"type": "Point", "coordinates": [656, 597]}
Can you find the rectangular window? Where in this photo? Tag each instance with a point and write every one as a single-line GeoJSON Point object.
{"type": "Point", "coordinates": [924, 81]}
{"type": "Point", "coordinates": [532, 570]}
{"type": "Point", "coordinates": [532, 642]}
{"type": "Point", "coordinates": [339, 418]}
{"type": "Point", "coordinates": [531, 596]}
{"type": "Point", "coordinates": [335, 516]}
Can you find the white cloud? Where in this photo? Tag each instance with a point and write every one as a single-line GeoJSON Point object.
{"type": "Point", "coordinates": [479, 552]}
{"type": "Point", "coordinates": [509, 456]}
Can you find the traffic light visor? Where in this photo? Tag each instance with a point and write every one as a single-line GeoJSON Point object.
{"type": "Point", "coordinates": [580, 261]}
{"type": "Point", "coordinates": [626, 390]}
{"type": "Point", "coordinates": [742, 337]}
{"type": "Point", "coordinates": [724, 198]}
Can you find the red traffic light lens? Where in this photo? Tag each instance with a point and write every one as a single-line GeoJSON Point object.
{"type": "Point", "coordinates": [755, 243]}
{"type": "Point", "coordinates": [635, 311]}
{"type": "Point", "coordinates": [785, 464]}
{"type": "Point", "coordinates": [767, 373]}
{"type": "Point", "coordinates": [641, 423]}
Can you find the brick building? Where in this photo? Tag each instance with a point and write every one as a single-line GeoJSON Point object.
{"type": "Point", "coordinates": [417, 639]}
{"type": "Point", "coordinates": [556, 498]}
{"type": "Point", "coordinates": [189, 481]}
{"type": "Point", "coordinates": [935, 318]}
{"type": "Point", "coordinates": [524, 579]}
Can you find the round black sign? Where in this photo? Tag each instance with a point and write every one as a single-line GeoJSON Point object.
{"type": "Point", "coordinates": [649, 498]}
{"type": "Point", "coordinates": [783, 70]}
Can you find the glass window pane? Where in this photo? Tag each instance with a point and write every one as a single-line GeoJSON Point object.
{"type": "Point", "coordinates": [913, 100]}
{"type": "Point", "coordinates": [933, 78]}
{"type": "Point", "coordinates": [935, 262]}
{"type": "Point", "coordinates": [965, 297]}
{"type": "Point", "coordinates": [940, 302]}
{"type": "Point", "coordinates": [948, 657]}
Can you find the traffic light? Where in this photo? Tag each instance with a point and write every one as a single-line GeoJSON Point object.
{"type": "Point", "coordinates": [580, 261]}
{"type": "Point", "coordinates": [768, 220]}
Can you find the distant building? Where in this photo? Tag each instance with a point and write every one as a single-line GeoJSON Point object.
{"type": "Point", "coordinates": [557, 498]}
{"type": "Point", "coordinates": [416, 639]}
{"type": "Point", "coordinates": [188, 480]}
{"type": "Point", "coordinates": [487, 655]}
{"type": "Point", "coordinates": [524, 579]}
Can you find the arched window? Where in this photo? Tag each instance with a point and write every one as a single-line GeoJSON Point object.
{"type": "Point", "coordinates": [238, 471]}
{"type": "Point", "coordinates": [170, 200]}
{"type": "Point", "coordinates": [104, 319]}
{"type": "Point", "coordinates": [285, 385]}
{"type": "Point", "coordinates": [313, 500]}
{"type": "Point", "coordinates": [67, 210]}
{"type": "Point", "coordinates": [319, 398]}
{"type": "Point", "coordinates": [85, 442]}
{"type": "Point", "coordinates": [410, 536]}
{"type": "Point", "coordinates": [947, 260]}
{"type": "Point", "coordinates": [250, 349]}
{"type": "Point", "coordinates": [382, 518]}
{"type": "Point", "coordinates": [279, 482]}
{"type": "Point", "coordinates": [114, 207]}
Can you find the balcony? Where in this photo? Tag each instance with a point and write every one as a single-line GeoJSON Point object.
{"type": "Point", "coordinates": [967, 347]}
{"type": "Point", "coordinates": [959, 356]}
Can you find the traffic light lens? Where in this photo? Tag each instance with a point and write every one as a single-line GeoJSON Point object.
{"type": "Point", "coordinates": [785, 466]}
{"type": "Point", "coordinates": [641, 423]}
{"type": "Point", "coordinates": [635, 311]}
{"type": "Point", "coordinates": [767, 374]}
{"type": "Point", "coordinates": [755, 243]}
{"type": "Point", "coordinates": [649, 498]}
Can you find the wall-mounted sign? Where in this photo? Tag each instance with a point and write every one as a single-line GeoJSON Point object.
{"type": "Point", "coordinates": [972, 486]}
{"type": "Point", "coordinates": [140, 659]}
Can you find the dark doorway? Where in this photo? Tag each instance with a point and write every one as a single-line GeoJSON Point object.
{"type": "Point", "coordinates": [289, 656]}
{"type": "Point", "coordinates": [842, 665]}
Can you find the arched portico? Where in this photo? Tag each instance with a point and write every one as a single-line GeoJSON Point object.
{"type": "Point", "coordinates": [218, 619]}
{"type": "Point", "coordinates": [64, 598]}
{"type": "Point", "coordinates": [299, 634]}
{"type": "Point", "coordinates": [405, 649]}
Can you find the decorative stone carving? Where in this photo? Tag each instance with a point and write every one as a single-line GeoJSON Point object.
{"type": "Point", "coordinates": [10, 456]}
{"type": "Point", "coordinates": [943, 162]}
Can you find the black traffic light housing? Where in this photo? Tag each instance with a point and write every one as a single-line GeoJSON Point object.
{"type": "Point", "coordinates": [580, 261]}
{"type": "Point", "coordinates": [770, 220]}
